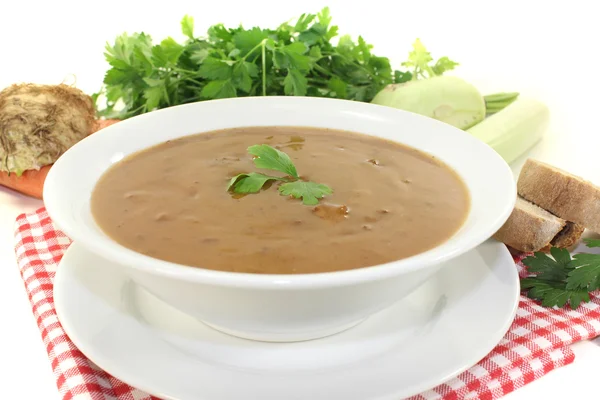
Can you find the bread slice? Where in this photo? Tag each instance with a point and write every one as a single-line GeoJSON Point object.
{"type": "Point", "coordinates": [529, 227]}
{"type": "Point", "coordinates": [567, 237]}
{"type": "Point", "coordinates": [563, 194]}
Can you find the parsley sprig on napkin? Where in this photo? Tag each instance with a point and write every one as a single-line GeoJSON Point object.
{"type": "Point", "coordinates": [562, 278]}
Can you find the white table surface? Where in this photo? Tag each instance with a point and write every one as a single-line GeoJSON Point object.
{"type": "Point", "coordinates": [545, 50]}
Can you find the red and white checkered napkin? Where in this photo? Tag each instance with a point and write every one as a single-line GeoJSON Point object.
{"type": "Point", "coordinates": [535, 344]}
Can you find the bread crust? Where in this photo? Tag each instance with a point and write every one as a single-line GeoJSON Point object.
{"type": "Point", "coordinates": [567, 237]}
{"type": "Point", "coordinates": [529, 228]}
{"type": "Point", "coordinates": [563, 194]}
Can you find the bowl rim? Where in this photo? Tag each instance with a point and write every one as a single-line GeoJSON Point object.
{"type": "Point", "coordinates": [131, 259]}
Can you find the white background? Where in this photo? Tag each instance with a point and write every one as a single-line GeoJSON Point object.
{"type": "Point", "coordinates": [545, 49]}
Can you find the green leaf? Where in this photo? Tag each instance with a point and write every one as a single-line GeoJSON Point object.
{"type": "Point", "coordinates": [295, 83]}
{"type": "Point", "coordinates": [154, 93]}
{"type": "Point", "coordinates": [561, 256]}
{"type": "Point", "coordinates": [310, 192]}
{"type": "Point", "coordinates": [215, 69]}
{"type": "Point", "coordinates": [120, 77]}
{"type": "Point", "coordinates": [243, 72]}
{"type": "Point", "coordinates": [578, 297]}
{"type": "Point", "coordinates": [553, 293]}
{"type": "Point", "coordinates": [587, 274]}
{"type": "Point", "coordinates": [218, 90]}
{"type": "Point", "coordinates": [296, 47]}
{"type": "Point", "coordinates": [120, 54]}
{"type": "Point", "coordinates": [315, 53]}
{"type": "Point", "coordinates": [270, 44]}
{"type": "Point", "coordinates": [324, 17]}
{"type": "Point", "coordinates": [218, 33]}
{"type": "Point", "coordinates": [187, 26]}
{"type": "Point", "coordinates": [268, 157]}
{"type": "Point", "coordinates": [331, 33]}
{"type": "Point", "coordinates": [548, 268]}
{"type": "Point", "coordinates": [249, 39]}
{"type": "Point", "coordinates": [198, 56]}
{"type": "Point", "coordinates": [419, 59]}
{"type": "Point", "coordinates": [249, 183]}
{"type": "Point", "coordinates": [153, 96]}
{"type": "Point", "coordinates": [401, 77]}
{"type": "Point", "coordinates": [141, 58]}
{"type": "Point", "coordinates": [592, 242]}
{"type": "Point", "coordinates": [315, 34]}
{"type": "Point", "coordinates": [365, 49]}
{"type": "Point", "coordinates": [295, 56]}
{"type": "Point", "coordinates": [303, 22]}
{"type": "Point", "coordinates": [338, 86]}
{"type": "Point", "coordinates": [167, 53]}
{"type": "Point", "coordinates": [280, 59]}
{"type": "Point", "coordinates": [443, 64]}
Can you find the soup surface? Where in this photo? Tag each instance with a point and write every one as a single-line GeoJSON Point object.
{"type": "Point", "coordinates": [171, 202]}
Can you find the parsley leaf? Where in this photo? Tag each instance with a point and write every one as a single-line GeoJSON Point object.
{"type": "Point", "coordinates": [249, 183]}
{"type": "Point", "coordinates": [187, 26]}
{"type": "Point", "coordinates": [587, 274]}
{"type": "Point", "coordinates": [218, 89]}
{"type": "Point", "coordinates": [243, 72]}
{"type": "Point", "coordinates": [166, 53]}
{"type": "Point", "coordinates": [561, 279]}
{"type": "Point", "coordinates": [592, 242]}
{"type": "Point", "coordinates": [553, 293]}
{"type": "Point", "coordinates": [248, 40]}
{"type": "Point", "coordinates": [556, 268]}
{"type": "Point", "coordinates": [310, 192]}
{"type": "Point", "coordinates": [295, 83]}
{"type": "Point", "coordinates": [268, 157]}
{"type": "Point", "coordinates": [216, 69]}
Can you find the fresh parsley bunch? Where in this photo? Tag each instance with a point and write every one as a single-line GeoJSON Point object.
{"type": "Point", "coordinates": [295, 59]}
{"type": "Point", "coordinates": [562, 279]}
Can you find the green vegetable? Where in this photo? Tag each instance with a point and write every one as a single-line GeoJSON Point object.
{"type": "Point", "coordinates": [497, 102]}
{"type": "Point", "coordinates": [296, 59]}
{"type": "Point", "coordinates": [515, 129]}
{"type": "Point", "coordinates": [38, 123]}
{"type": "Point", "coordinates": [267, 157]}
{"type": "Point", "coordinates": [445, 98]}
{"type": "Point", "coordinates": [562, 279]}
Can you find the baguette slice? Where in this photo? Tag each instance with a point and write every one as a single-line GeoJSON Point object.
{"type": "Point", "coordinates": [529, 227]}
{"type": "Point", "coordinates": [565, 195]}
{"type": "Point", "coordinates": [567, 237]}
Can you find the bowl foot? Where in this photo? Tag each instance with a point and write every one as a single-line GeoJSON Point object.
{"type": "Point", "coordinates": [282, 338]}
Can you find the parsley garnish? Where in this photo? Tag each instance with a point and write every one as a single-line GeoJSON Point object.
{"type": "Point", "coordinates": [310, 192]}
{"type": "Point", "coordinates": [298, 59]}
{"type": "Point", "coordinates": [562, 278]}
{"type": "Point", "coordinates": [267, 157]}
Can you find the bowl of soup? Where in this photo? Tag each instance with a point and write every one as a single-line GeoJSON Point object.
{"type": "Point", "coordinates": [280, 218]}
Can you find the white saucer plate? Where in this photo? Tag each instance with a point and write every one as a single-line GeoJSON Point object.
{"type": "Point", "coordinates": [443, 328]}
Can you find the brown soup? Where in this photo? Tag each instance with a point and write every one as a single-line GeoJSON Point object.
{"type": "Point", "coordinates": [171, 202]}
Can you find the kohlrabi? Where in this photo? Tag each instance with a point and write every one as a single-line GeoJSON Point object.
{"type": "Point", "coordinates": [445, 98]}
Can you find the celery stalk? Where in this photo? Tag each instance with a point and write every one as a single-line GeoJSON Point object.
{"type": "Point", "coordinates": [515, 129]}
